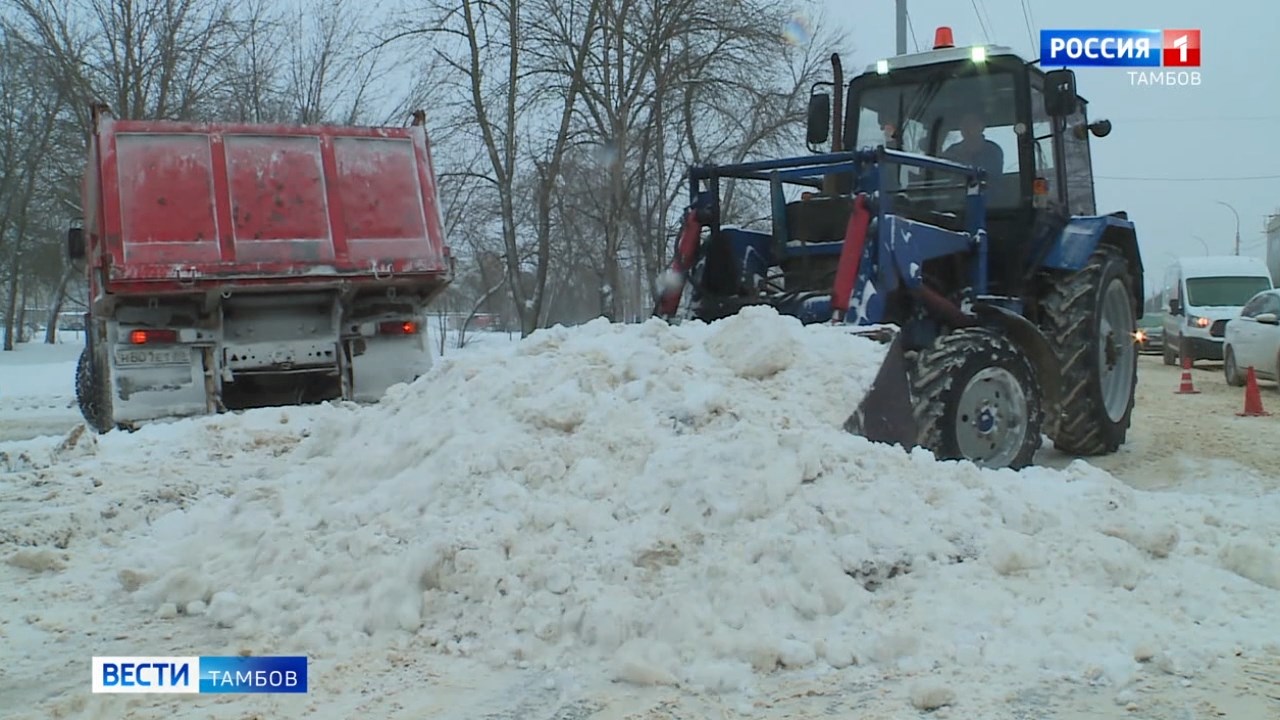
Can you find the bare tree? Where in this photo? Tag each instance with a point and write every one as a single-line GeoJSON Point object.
{"type": "Point", "coordinates": [562, 129]}
{"type": "Point", "coordinates": [515, 61]}
{"type": "Point", "coordinates": [673, 83]}
{"type": "Point", "coordinates": [147, 58]}
{"type": "Point", "coordinates": [255, 87]}
{"type": "Point", "coordinates": [29, 111]}
{"type": "Point", "coordinates": [330, 72]}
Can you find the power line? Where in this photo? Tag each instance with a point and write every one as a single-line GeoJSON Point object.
{"type": "Point", "coordinates": [1031, 16]}
{"type": "Point", "coordinates": [1026, 18]}
{"type": "Point", "coordinates": [1173, 119]}
{"type": "Point", "coordinates": [987, 14]}
{"type": "Point", "coordinates": [1187, 179]}
{"type": "Point", "coordinates": [985, 34]}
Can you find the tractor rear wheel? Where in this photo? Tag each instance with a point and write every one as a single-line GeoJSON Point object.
{"type": "Point", "coordinates": [92, 395]}
{"type": "Point", "coordinates": [1090, 319]}
{"type": "Point", "coordinates": [977, 398]}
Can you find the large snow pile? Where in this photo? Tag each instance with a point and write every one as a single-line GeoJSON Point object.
{"type": "Point", "coordinates": [680, 505]}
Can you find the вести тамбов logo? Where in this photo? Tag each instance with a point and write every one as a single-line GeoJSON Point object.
{"type": "Point", "coordinates": [200, 674]}
{"type": "Point", "coordinates": [1174, 54]}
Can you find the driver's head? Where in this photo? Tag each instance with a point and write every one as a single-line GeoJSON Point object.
{"type": "Point", "coordinates": [971, 126]}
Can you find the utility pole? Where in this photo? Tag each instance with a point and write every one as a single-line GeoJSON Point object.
{"type": "Point", "coordinates": [1233, 212]}
{"type": "Point", "coordinates": [902, 26]}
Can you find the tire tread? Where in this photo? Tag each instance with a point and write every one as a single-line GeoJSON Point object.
{"type": "Point", "coordinates": [1082, 426]}
{"type": "Point", "coordinates": [935, 369]}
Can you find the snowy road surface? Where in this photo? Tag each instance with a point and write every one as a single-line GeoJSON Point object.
{"type": "Point", "coordinates": [37, 389]}
{"type": "Point", "coordinates": [649, 522]}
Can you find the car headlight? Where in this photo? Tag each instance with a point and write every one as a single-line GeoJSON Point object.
{"type": "Point", "coordinates": [1140, 336]}
{"type": "Point", "coordinates": [1202, 322]}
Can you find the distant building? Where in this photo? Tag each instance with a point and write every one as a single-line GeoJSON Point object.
{"type": "Point", "coordinates": [1273, 248]}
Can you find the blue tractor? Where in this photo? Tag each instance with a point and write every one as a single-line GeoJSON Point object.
{"type": "Point", "coordinates": [961, 227]}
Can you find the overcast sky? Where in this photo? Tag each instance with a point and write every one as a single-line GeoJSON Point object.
{"type": "Point", "coordinates": [1228, 127]}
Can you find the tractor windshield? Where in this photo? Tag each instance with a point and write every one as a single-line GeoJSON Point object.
{"type": "Point", "coordinates": [970, 118]}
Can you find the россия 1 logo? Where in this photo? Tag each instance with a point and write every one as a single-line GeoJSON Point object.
{"type": "Point", "coordinates": [1173, 50]}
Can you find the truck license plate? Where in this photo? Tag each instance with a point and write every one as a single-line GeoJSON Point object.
{"type": "Point", "coordinates": [176, 356]}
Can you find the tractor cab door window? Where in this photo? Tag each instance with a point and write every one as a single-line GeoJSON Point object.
{"type": "Point", "coordinates": [1079, 165]}
{"type": "Point", "coordinates": [1041, 141]}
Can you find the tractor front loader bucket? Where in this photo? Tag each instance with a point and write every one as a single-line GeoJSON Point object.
{"type": "Point", "coordinates": [885, 413]}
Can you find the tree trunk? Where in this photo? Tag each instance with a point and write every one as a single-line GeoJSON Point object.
{"type": "Point", "coordinates": [55, 307]}
{"type": "Point", "coordinates": [484, 299]}
{"type": "Point", "coordinates": [11, 302]}
{"type": "Point", "coordinates": [23, 301]}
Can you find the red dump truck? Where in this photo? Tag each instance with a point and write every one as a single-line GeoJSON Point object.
{"type": "Point", "coordinates": [234, 265]}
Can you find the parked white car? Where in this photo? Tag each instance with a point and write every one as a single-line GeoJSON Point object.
{"type": "Point", "coordinates": [1253, 339]}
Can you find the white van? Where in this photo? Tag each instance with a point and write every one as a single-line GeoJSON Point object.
{"type": "Point", "coordinates": [1199, 292]}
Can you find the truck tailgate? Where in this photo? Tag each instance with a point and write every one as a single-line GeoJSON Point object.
{"type": "Point", "coordinates": [200, 203]}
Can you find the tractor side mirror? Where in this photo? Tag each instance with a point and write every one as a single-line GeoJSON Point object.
{"type": "Point", "coordinates": [819, 122]}
{"type": "Point", "coordinates": [1175, 306]}
{"type": "Point", "coordinates": [1060, 98]}
{"type": "Point", "coordinates": [75, 243]}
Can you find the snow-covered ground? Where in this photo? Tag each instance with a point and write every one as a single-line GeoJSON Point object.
{"type": "Point", "coordinates": [37, 382]}
{"type": "Point", "coordinates": [37, 388]}
{"type": "Point", "coordinates": [643, 521]}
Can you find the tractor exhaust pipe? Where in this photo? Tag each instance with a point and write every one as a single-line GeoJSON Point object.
{"type": "Point", "coordinates": [837, 104]}
{"type": "Point", "coordinates": [837, 119]}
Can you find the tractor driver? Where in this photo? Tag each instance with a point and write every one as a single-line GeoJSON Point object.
{"type": "Point", "coordinates": [975, 149]}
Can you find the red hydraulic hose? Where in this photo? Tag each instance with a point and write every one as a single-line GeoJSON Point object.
{"type": "Point", "coordinates": [686, 251]}
{"type": "Point", "coordinates": [855, 240]}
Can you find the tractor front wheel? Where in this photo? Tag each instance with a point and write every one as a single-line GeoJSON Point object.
{"type": "Point", "coordinates": [1090, 320]}
{"type": "Point", "coordinates": [977, 399]}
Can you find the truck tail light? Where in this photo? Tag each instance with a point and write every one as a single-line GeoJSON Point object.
{"type": "Point", "coordinates": [397, 327]}
{"type": "Point", "coordinates": [152, 337]}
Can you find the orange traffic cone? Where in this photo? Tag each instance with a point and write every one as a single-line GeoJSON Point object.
{"type": "Point", "coordinates": [1186, 388]}
{"type": "Point", "coordinates": [1252, 398]}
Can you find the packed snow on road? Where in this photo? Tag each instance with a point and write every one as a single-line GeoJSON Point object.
{"type": "Point", "coordinates": [37, 388]}
{"type": "Point", "coordinates": [666, 521]}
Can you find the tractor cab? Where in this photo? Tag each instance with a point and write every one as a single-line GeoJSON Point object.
{"type": "Point", "coordinates": [979, 105]}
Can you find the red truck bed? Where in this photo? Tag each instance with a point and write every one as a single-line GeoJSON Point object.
{"type": "Point", "coordinates": [192, 205]}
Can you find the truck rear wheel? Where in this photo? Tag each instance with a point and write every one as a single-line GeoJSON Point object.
{"type": "Point", "coordinates": [1089, 320]}
{"type": "Point", "coordinates": [976, 398]}
{"type": "Point", "coordinates": [92, 395]}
